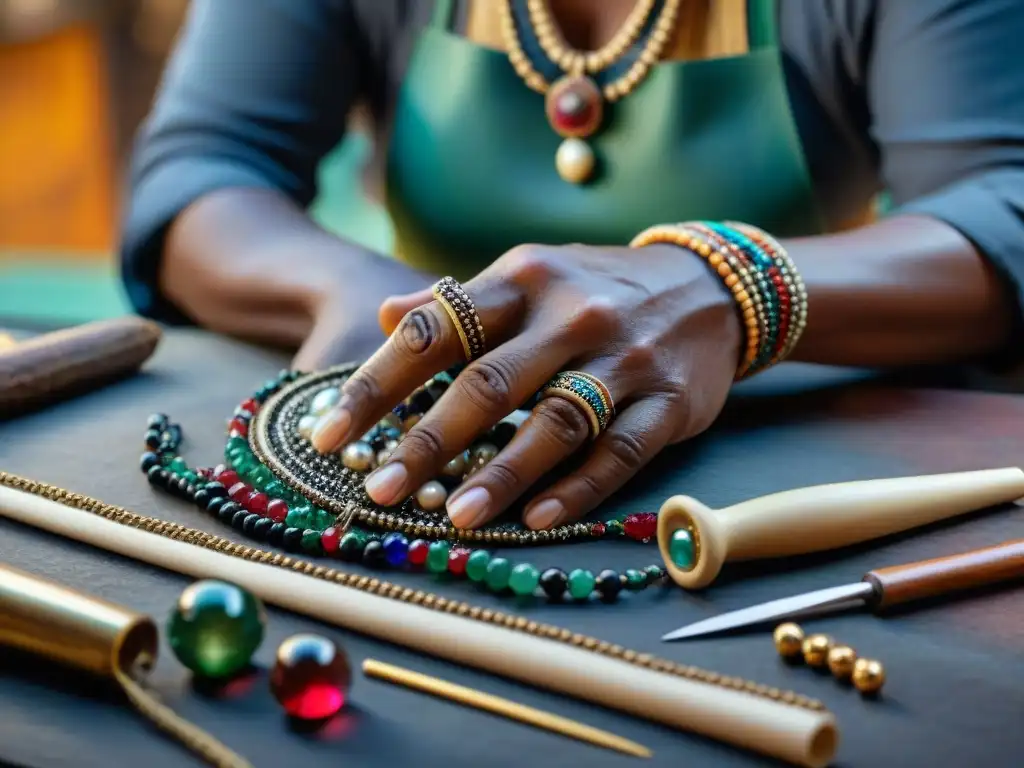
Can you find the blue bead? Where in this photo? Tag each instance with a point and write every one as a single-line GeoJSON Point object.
{"type": "Point", "coordinates": [396, 549]}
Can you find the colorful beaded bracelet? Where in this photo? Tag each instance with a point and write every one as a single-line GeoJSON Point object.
{"type": "Point", "coordinates": [761, 276]}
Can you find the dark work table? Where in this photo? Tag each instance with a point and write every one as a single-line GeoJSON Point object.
{"type": "Point", "coordinates": [955, 694]}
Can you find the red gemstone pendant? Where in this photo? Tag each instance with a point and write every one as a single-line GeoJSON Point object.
{"type": "Point", "coordinates": [574, 106]}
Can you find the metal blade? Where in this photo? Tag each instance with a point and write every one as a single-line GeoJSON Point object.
{"type": "Point", "coordinates": [787, 607]}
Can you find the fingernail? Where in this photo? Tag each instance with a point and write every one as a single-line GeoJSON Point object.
{"type": "Point", "coordinates": [386, 483]}
{"type": "Point", "coordinates": [469, 509]}
{"type": "Point", "coordinates": [330, 429]}
{"type": "Point", "coordinates": [545, 514]}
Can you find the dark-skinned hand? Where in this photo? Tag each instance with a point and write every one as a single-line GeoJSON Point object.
{"type": "Point", "coordinates": [654, 324]}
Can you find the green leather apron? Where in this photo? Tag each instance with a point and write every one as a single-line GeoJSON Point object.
{"type": "Point", "coordinates": [471, 168]}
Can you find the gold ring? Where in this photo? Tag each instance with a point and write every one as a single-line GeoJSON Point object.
{"type": "Point", "coordinates": [460, 308]}
{"type": "Point", "coordinates": [588, 393]}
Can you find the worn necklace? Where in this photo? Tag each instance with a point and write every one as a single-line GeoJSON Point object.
{"type": "Point", "coordinates": [574, 101]}
{"type": "Point", "coordinates": [275, 487]}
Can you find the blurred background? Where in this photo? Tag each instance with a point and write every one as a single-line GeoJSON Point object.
{"type": "Point", "coordinates": [76, 80]}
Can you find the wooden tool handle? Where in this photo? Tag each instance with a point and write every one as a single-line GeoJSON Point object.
{"type": "Point", "coordinates": [903, 583]}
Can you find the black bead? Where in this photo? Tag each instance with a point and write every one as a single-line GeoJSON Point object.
{"type": "Point", "coordinates": [503, 433]}
{"type": "Point", "coordinates": [201, 498]}
{"type": "Point", "coordinates": [213, 505]}
{"type": "Point", "coordinates": [183, 486]}
{"type": "Point", "coordinates": [292, 539]}
{"type": "Point", "coordinates": [373, 554]}
{"type": "Point", "coordinates": [421, 401]}
{"type": "Point", "coordinates": [262, 528]}
{"type": "Point", "coordinates": [554, 582]}
{"type": "Point", "coordinates": [165, 447]}
{"type": "Point", "coordinates": [148, 460]}
{"type": "Point", "coordinates": [350, 548]}
{"type": "Point", "coordinates": [227, 512]}
{"type": "Point", "coordinates": [275, 534]}
{"type": "Point", "coordinates": [158, 476]}
{"type": "Point", "coordinates": [172, 433]}
{"type": "Point", "coordinates": [239, 519]}
{"type": "Point", "coordinates": [249, 524]}
{"type": "Point", "coordinates": [152, 439]}
{"type": "Point", "coordinates": [157, 421]}
{"type": "Point", "coordinates": [215, 489]}
{"type": "Point", "coordinates": [608, 585]}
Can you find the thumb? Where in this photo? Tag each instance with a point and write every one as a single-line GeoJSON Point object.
{"type": "Point", "coordinates": [395, 308]}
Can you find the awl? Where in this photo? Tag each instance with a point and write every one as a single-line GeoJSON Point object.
{"type": "Point", "coordinates": [879, 589]}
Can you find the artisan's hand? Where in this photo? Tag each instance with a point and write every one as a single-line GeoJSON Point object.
{"type": "Point", "coordinates": [347, 324]}
{"type": "Point", "coordinates": [655, 325]}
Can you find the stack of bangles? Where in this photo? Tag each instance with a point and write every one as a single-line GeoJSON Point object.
{"type": "Point", "coordinates": [762, 278]}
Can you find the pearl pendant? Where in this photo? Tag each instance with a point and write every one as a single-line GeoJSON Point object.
{"type": "Point", "coordinates": [575, 161]}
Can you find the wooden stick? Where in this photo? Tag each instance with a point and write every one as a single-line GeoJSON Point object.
{"type": "Point", "coordinates": [503, 707]}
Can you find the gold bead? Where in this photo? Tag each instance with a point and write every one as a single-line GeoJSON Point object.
{"type": "Point", "coordinates": [815, 650]}
{"type": "Point", "coordinates": [788, 638]}
{"type": "Point", "coordinates": [868, 675]}
{"type": "Point", "coordinates": [841, 660]}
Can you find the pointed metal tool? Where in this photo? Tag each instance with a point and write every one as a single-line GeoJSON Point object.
{"type": "Point", "coordinates": [879, 589]}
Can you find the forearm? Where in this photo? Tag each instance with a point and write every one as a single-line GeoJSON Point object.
{"type": "Point", "coordinates": [251, 263]}
{"type": "Point", "coordinates": [909, 290]}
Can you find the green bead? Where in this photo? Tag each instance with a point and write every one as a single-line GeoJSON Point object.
{"type": "Point", "coordinates": [311, 542]}
{"type": "Point", "coordinates": [351, 546]}
{"type": "Point", "coordinates": [681, 549]}
{"type": "Point", "coordinates": [635, 580]}
{"type": "Point", "coordinates": [178, 465]}
{"type": "Point", "coordinates": [275, 489]}
{"type": "Point", "coordinates": [215, 628]}
{"type": "Point", "coordinates": [324, 519]}
{"type": "Point", "coordinates": [653, 572]}
{"type": "Point", "coordinates": [190, 476]}
{"type": "Point", "coordinates": [237, 443]}
{"type": "Point", "coordinates": [297, 517]}
{"type": "Point", "coordinates": [524, 579]}
{"type": "Point", "coordinates": [437, 557]}
{"type": "Point", "coordinates": [261, 476]}
{"type": "Point", "coordinates": [581, 583]}
{"type": "Point", "coordinates": [476, 565]}
{"type": "Point", "coordinates": [499, 571]}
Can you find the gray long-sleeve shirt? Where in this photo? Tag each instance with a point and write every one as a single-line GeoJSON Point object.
{"type": "Point", "coordinates": [922, 98]}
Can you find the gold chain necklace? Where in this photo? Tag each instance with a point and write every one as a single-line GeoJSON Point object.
{"type": "Point", "coordinates": [397, 592]}
{"type": "Point", "coordinates": [574, 104]}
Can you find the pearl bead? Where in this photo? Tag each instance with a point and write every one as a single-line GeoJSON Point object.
{"type": "Point", "coordinates": [789, 639]}
{"type": "Point", "coordinates": [307, 424]}
{"type": "Point", "coordinates": [574, 161]}
{"type": "Point", "coordinates": [358, 456]}
{"type": "Point", "coordinates": [382, 456]}
{"type": "Point", "coordinates": [431, 496]}
{"type": "Point", "coordinates": [483, 453]}
{"type": "Point", "coordinates": [456, 467]}
{"type": "Point", "coordinates": [324, 400]}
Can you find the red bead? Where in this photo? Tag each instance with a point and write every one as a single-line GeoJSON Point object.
{"type": "Point", "coordinates": [574, 106]}
{"type": "Point", "coordinates": [457, 560]}
{"type": "Point", "coordinates": [641, 527]}
{"type": "Point", "coordinates": [598, 529]}
{"type": "Point", "coordinates": [257, 502]}
{"type": "Point", "coordinates": [277, 510]}
{"type": "Point", "coordinates": [239, 492]}
{"type": "Point", "coordinates": [205, 472]}
{"type": "Point", "coordinates": [330, 539]}
{"type": "Point", "coordinates": [238, 428]}
{"type": "Point", "coordinates": [418, 552]}
{"type": "Point", "coordinates": [311, 677]}
{"type": "Point", "coordinates": [250, 405]}
{"type": "Point", "coordinates": [227, 477]}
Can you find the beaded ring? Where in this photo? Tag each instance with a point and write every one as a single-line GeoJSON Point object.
{"type": "Point", "coordinates": [275, 487]}
{"type": "Point", "coordinates": [450, 294]}
{"type": "Point", "coordinates": [588, 393]}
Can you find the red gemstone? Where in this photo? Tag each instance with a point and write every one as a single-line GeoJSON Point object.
{"type": "Point", "coordinates": [250, 405]}
{"type": "Point", "coordinates": [641, 527]}
{"type": "Point", "coordinates": [227, 477]}
{"type": "Point", "coordinates": [257, 502]}
{"type": "Point", "coordinates": [239, 492]}
{"type": "Point", "coordinates": [574, 106]}
{"type": "Point", "coordinates": [330, 539]}
{"type": "Point", "coordinates": [457, 559]}
{"type": "Point", "coordinates": [572, 111]}
{"type": "Point", "coordinates": [238, 428]}
{"type": "Point", "coordinates": [277, 510]}
{"type": "Point", "coordinates": [418, 552]}
{"type": "Point", "coordinates": [598, 529]}
{"type": "Point", "coordinates": [311, 677]}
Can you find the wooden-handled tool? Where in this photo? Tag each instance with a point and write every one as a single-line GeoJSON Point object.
{"type": "Point", "coordinates": [880, 588]}
{"type": "Point", "coordinates": [696, 541]}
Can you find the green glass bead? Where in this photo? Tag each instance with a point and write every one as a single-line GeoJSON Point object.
{"type": "Point", "coordinates": [681, 549]}
{"type": "Point", "coordinates": [324, 519]}
{"type": "Point", "coordinates": [311, 542]}
{"type": "Point", "coordinates": [275, 489]}
{"type": "Point", "coordinates": [653, 572]}
{"type": "Point", "coordinates": [190, 476]}
{"type": "Point", "coordinates": [581, 583]}
{"type": "Point", "coordinates": [298, 517]}
{"type": "Point", "coordinates": [499, 571]}
{"type": "Point", "coordinates": [215, 628]}
{"type": "Point", "coordinates": [178, 465]}
{"type": "Point", "coordinates": [524, 579]}
{"type": "Point", "coordinates": [236, 442]}
{"type": "Point", "coordinates": [351, 546]}
{"type": "Point", "coordinates": [476, 565]}
{"type": "Point", "coordinates": [261, 476]}
{"type": "Point", "coordinates": [635, 580]}
{"type": "Point", "coordinates": [437, 557]}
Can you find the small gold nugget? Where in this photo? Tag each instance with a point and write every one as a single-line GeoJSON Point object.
{"type": "Point", "coordinates": [789, 639]}
{"type": "Point", "coordinates": [868, 675]}
{"type": "Point", "coordinates": [841, 660]}
{"type": "Point", "coordinates": [815, 650]}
